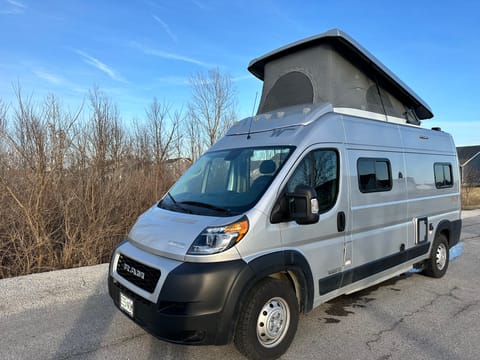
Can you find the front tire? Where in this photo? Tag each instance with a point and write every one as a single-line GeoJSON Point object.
{"type": "Point", "coordinates": [268, 321]}
{"type": "Point", "coordinates": [437, 265]}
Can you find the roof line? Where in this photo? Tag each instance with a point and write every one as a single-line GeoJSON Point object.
{"type": "Point", "coordinates": [473, 157]}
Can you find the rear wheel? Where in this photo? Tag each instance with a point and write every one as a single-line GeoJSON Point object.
{"type": "Point", "coordinates": [268, 321]}
{"type": "Point", "coordinates": [437, 265]}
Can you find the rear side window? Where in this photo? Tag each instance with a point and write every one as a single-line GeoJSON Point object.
{"type": "Point", "coordinates": [374, 175]}
{"type": "Point", "coordinates": [443, 175]}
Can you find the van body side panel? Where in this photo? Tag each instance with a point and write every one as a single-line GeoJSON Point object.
{"type": "Point", "coordinates": [424, 149]}
{"type": "Point", "coordinates": [379, 217]}
{"type": "Point", "coordinates": [372, 268]}
{"type": "Point", "coordinates": [322, 244]}
{"type": "Point", "coordinates": [385, 225]}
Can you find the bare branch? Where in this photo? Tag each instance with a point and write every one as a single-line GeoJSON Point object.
{"type": "Point", "coordinates": [212, 108]}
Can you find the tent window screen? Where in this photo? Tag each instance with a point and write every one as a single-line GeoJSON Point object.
{"type": "Point", "coordinates": [374, 175]}
{"type": "Point", "coordinates": [291, 89]}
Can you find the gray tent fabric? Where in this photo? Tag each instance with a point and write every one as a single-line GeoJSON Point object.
{"type": "Point", "coordinates": [293, 88]}
{"type": "Point", "coordinates": [332, 68]}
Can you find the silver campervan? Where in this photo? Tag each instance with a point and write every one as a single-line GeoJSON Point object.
{"type": "Point", "coordinates": [332, 187]}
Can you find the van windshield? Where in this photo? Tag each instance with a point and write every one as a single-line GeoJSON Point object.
{"type": "Point", "coordinates": [226, 182]}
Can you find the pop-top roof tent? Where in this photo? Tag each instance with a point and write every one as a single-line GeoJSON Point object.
{"type": "Point", "coordinates": [334, 68]}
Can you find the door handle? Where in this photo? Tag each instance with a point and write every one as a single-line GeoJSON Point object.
{"type": "Point", "coordinates": [341, 221]}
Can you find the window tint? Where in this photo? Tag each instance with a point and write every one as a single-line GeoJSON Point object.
{"type": "Point", "coordinates": [443, 175]}
{"type": "Point", "coordinates": [218, 175]}
{"type": "Point", "coordinates": [319, 169]}
{"type": "Point", "coordinates": [374, 175]}
{"type": "Point", "coordinates": [226, 182]}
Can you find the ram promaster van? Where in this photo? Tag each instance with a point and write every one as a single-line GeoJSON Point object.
{"type": "Point", "coordinates": [332, 187]}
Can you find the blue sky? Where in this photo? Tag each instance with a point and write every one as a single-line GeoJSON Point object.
{"type": "Point", "coordinates": [136, 50]}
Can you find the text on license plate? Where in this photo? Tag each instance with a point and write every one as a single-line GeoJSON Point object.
{"type": "Point", "coordinates": [126, 304]}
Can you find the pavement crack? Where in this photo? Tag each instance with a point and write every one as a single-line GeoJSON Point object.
{"type": "Point", "coordinates": [449, 294]}
{"type": "Point", "coordinates": [470, 238]}
{"type": "Point", "coordinates": [377, 337]}
{"type": "Point", "coordinates": [466, 308]}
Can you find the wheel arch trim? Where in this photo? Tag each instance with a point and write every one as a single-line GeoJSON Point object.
{"type": "Point", "coordinates": [285, 261]}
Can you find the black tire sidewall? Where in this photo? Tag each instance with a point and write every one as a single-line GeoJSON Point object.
{"type": "Point", "coordinates": [432, 268]}
{"type": "Point", "coordinates": [246, 339]}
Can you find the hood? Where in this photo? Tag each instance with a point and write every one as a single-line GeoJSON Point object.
{"type": "Point", "coordinates": [170, 234]}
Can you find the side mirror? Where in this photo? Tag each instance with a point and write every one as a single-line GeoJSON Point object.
{"type": "Point", "coordinates": [304, 207]}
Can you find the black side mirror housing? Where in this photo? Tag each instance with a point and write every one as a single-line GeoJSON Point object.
{"type": "Point", "coordinates": [304, 207]}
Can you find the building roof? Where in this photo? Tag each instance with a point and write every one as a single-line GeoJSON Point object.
{"type": "Point", "coordinates": [467, 153]}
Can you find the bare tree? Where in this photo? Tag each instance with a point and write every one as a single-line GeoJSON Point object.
{"type": "Point", "coordinates": [106, 135]}
{"type": "Point", "coordinates": [212, 108]}
{"type": "Point", "coordinates": [3, 128]}
{"type": "Point", "coordinates": [195, 143]}
{"type": "Point", "coordinates": [71, 184]}
{"type": "Point", "coordinates": [162, 129]}
{"type": "Point", "coordinates": [178, 118]}
{"type": "Point", "coordinates": [140, 144]}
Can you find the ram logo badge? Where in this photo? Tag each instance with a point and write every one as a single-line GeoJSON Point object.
{"type": "Point", "coordinates": [133, 271]}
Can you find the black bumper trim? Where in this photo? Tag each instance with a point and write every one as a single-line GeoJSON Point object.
{"type": "Point", "coordinates": [194, 304]}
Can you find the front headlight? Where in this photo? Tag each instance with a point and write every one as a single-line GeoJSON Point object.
{"type": "Point", "coordinates": [216, 239]}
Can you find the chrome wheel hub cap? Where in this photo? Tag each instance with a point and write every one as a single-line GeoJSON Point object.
{"type": "Point", "coordinates": [273, 322]}
{"type": "Point", "coordinates": [441, 256]}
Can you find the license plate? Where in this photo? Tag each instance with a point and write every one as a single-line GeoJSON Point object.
{"type": "Point", "coordinates": [126, 304]}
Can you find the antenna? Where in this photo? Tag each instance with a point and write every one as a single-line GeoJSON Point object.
{"type": "Point", "coordinates": [254, 102]}
{"type": "Point", "coordinates": [251, 117]}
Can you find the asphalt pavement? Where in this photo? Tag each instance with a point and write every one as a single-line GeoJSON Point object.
{"type": "Point", "coordinates": [68, 315]}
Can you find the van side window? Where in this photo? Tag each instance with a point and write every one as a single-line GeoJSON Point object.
{"type": "Point", "coordinates": [443, 175]}
{"type": "Point", "coordinates": [374, 175]}
{"type": "Point", "coordinates": [319, 169]}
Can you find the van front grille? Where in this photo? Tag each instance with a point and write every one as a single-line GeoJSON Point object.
{"type": "Point", "coordinates": [137, 273]}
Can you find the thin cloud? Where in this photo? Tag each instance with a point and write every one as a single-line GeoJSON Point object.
{"type": "Point", "coordinates": [166, 28]}
{"type": "Point", "coordinates": [166, 55]}
{"type": "Point", "coordinates": [51, 78]}
{"type": "Point", "coordinates": [90, 60]}
{"type": "Point", "coordinates": [199, 4]}
{"type": "Point", "coordinates": [14, 7]}
{"type": "Point", "coordinates": [16, 4]}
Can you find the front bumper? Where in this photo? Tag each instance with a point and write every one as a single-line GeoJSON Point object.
{"type": "Point", "coordinates": [198, 303]}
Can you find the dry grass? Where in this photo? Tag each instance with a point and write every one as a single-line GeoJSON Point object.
{"type": "Point", "coordinates": [71, 189]}
{"type": "Point", "coordinates": [470, 198]}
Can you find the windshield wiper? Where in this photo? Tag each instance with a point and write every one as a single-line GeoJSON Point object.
{"type": "Point", "coordinates": [176, 205]}
{"type": "Point", "coordinates": [205, 205]}
{"type": "Point", "coordinates": [171, 198]}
